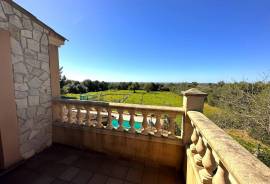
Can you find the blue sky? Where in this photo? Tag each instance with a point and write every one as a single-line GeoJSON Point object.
{"type": "Point", "coordinates": [160, 40]}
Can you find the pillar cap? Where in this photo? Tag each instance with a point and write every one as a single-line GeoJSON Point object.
{"type": "Point", "coordinates": [194, 92]}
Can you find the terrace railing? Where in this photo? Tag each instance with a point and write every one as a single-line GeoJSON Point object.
{"type": "Point", "coordinates": [216, 158]}
{"type": "Point", "coordinates": [159, 121]}
{"type": "Point", "coordinates": [212, 156]}
{"type": "Point", "coordinates": [208, 155]}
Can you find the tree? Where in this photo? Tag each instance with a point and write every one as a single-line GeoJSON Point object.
{"type": "Point", "coordinates": [149, 87]}
{"type": "Point", "coordinates": [134, 86]}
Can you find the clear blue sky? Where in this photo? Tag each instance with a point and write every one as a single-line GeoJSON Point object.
{"type": "Point", "coordinates": [160, 40]}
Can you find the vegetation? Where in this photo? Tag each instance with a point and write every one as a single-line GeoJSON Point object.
{"type": "Point", "coordinates": [252, 145]}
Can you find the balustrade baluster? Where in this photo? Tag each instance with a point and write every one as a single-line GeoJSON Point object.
{"type": "Point", "coordinates": [88, 116]}
{"type": "Point", "coordinates": [62, 112]}
{"type": "Point", "coordinates": [145, 130]}
{"type": "Point", "coordinates": [132, 121]}
{"type": "Point", "coordinates": [109, 123]}
{"type": "Point", "coordinates": [219, 177]}
{"type": "Point", "coordinates": [69, 115]}
{"type": "Point", "coordinates": [200, 149]}
{"type": "Point", "coordinates": [78, 115]}
{"type": "Point", "coordinates": [172, 118]}
{"type": "Point", "coordinates": [99, 118]}
{"type": "Point", "coordinates": [194, 139]}
{"type": "Point", "coordinates": [209, 165]}
{"type": "Point", "coordinates": [158, 124]}
{"type": "Point", "coordinates": [120, 120]}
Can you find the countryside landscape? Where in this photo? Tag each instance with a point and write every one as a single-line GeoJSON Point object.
{"type": "Point", "coordinates": [134, 92]}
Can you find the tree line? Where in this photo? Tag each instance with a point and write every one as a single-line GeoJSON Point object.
{"type": "Point", "coordinates": [77, 87]}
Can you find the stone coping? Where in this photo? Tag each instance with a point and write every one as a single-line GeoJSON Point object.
{"type": "Point", "coordinates": [124, 106]}
{"type": "Point", "coordinates": [176, 140]}
{"type": "Point", "coordinates": [244, 167]}
{"type": "Point", "coordinates": [193, 92]}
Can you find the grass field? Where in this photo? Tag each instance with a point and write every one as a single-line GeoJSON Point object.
{"type": "Point", "coordinates": [140, 97]}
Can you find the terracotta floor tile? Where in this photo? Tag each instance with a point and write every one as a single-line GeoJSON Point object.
{"type": "Point", "coordinates": [114, 181]}
{"type": "Point", "coordinates": [69, 173]}
{"type": "Point", "coordinates": [82, 177]}
{"type": "Point", "coordinates": [98, 179]}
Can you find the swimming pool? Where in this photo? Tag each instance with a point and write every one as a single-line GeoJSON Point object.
{"type": "Point", "coordinates": [137, 125]}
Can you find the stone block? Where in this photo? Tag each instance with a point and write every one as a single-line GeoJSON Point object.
{"type": "Point", "coordinates": [33, 100]}
{"type": "Point", "coordinates": [35, 83]}
{"type": "Point", "coordinates": [37, 72]}
{"type": "Point", "coordinates": [16, 47]}
{"type": "Point", "coordinates": [15, 20]}
{"type": "Point", "coordinates": [17, 12]}
{"type": "Point", "coordinates": [21, 113]}
{"type": "Point", "coordinates": [24, 137]}
{"type": "Point", "coordinates": [23, 42]}
{"type": "Point", "coordinates": [21, 94]}
{"type": "Point", "coordinates": [27, 24]}
{"type": "Point", "coordinates": [7, 8]}
{"type": "Point", "coordinates": [45, 67]}
{"type": "Point", "coordinates": [43, 57]}
{"type": "Point", "coordinates": [2, 14]}
{"type": "Point", "coordinates": [33, 134]}
{"type": "Point", "coordinates": [21, 103]}
{"type": "Point", "coordinates": [26, 33]}
{"type": "Point", "coordinates": [20, 68]}
{"type": "Point", "coordinates": [45, 98]}
{"type": "Point", "coordinates": [37, 35]}
{"type": "Point", "coordinates": [33, 92]}
{"type": "Point", "coordinates": [31, 112]}
{"type": "Point", "coordinates": [44, 76]}
{"type": "Point", "coordinates": [38, 27]}
{"type": "Point", "coordinates": [30, 54]}
{"type": "Point", "coordinates": [21, 87]}
{"type": "Point", "coordinates": [16, 58]}
{"type": "Point", "coordinates": [44, 49]}
{"type": "Point", "coordinates": [44, 40]}
{"type": "Point", "coordinates": [33, 45]}
{"type": "Point", "coordinates": [33, 62]}
{"type": "Point", "coordinates": [41, 111]}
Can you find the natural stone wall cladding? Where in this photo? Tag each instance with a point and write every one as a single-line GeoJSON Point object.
{"type": "Point", "coordinates": [31, 73]}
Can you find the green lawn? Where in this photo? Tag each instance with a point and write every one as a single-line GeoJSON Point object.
{"type": "Point", "coordinates": [140, 97]}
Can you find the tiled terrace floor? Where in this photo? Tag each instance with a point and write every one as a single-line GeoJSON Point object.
{"type": "Point", "coordinates": [60, 164]}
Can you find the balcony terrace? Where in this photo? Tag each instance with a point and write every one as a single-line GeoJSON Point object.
{"type": "Point", "coordinates": [46, 139]}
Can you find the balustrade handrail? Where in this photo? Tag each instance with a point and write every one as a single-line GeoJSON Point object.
{"type": "Point", "coordinates": [81, 112]}
{"type": "Point", "coordinates": [165, 109]}
{"type": "Point", "coordinates": [242, 165]}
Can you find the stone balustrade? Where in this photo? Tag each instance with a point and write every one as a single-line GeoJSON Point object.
{"type": "Point", "coordinates": [205, 152]}
{"type": "Point", "coordinates": [158, 121]}
{"type": "Point", "coordinates": [219, 159]}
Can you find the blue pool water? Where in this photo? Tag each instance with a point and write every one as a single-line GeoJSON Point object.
{"type": "Point", "coordinates": [137, 125]}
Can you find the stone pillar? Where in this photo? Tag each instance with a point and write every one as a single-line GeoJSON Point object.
{"type": "Point", "coordinates": [54, 44]}
{"type": "Point", "coordinates": [54, 69]}
{"type": "Point", "coordinates": [193, 100]}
